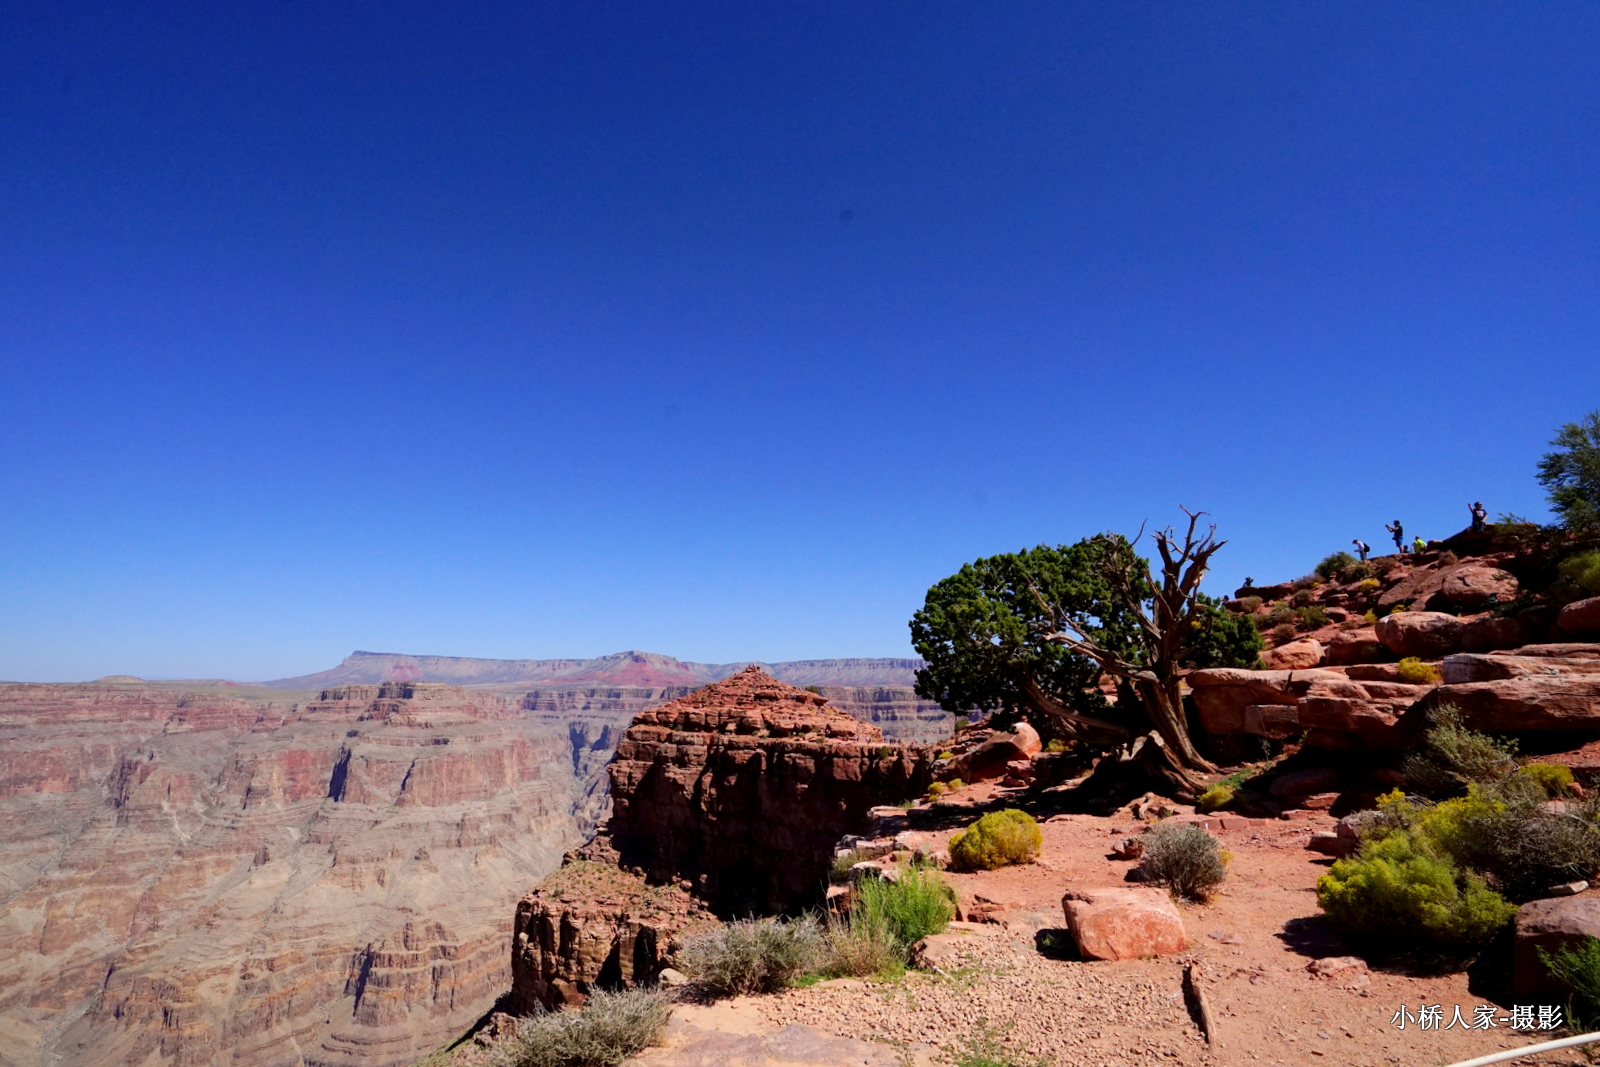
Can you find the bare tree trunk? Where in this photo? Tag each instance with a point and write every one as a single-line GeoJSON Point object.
{"type": "Point", "coordinates": [1074, 724]}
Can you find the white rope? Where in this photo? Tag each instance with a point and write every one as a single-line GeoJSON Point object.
{"type": "Point", "coordinates": [1528, 1050]}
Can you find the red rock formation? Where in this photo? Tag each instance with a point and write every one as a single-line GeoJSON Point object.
{"type": "Point", "coordinates": [743, 787]}
{"type": "Point", "coordinates": [196, 877]}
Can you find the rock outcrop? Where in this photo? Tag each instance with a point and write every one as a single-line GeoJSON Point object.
{"type": "Point", "coordinates": [196, 877]}
{"type": "Point", "coordinates": [742, 788]}
{"type": "Point", "coordinates": [1124, 923]}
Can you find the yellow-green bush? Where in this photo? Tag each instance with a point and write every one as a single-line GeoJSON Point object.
{"type": "Point", "coordinates": [1554, 777]}
{"type": "Point", "coordinates": [937, 790]}
{"type": "Point", "coordinates": [1414, 671]}
{"type": "Point", "coordinates": [996, 840]}
{"type": "Point", "coordinates": [1369, 584]}
{"type": "Point", "coordinates": [1215, 796]}
{"type": "Point", "coordinates": [1583, 571]}
{"type": "Point", "coordinates": [1394, 890]}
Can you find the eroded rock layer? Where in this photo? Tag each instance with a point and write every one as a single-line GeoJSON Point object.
{"type": "Point", "coordinates": [742, 788]}
{"type": "Point", "coordinates": [201, 878]}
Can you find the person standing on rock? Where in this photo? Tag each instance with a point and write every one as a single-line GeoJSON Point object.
{"type": "Point", "coordinates": [1479, 516]}
{"type": "Point", "coordinates": [1362, 548]}
{"type": "Point", "coordinates": [1399, 533]}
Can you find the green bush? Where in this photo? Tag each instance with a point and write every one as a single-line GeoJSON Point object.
{"type": "Point", "coordinates": [859, 947]}
{"type": "Point", "coordinates": [1395, 893]}
{"type": "Point", "coordinates": [1452, 756]}
{"type": "Point", "coordinates": [1553, 777]}
{"type": "Point", "coordinates": [1248, 605]}
{"type": "Point", "coordinates": [1369, 585]}
{"type": "Point", "coordinates": [1359, 571]}
{"type": "Point", "coordinates": [1516, 843]}
{"type": "Point", "coordinates": [1414, 671]}
{"type": "Point", "coordinates": [839, 869]}
{"type": "Point", "coordinates": [1334, 565]}
{"type": "Point", "coordinates": [1184, 858]}
{"type": "Point", "coordinates": [911, 907]}
{"type": "Point", "coordinates": [937, 790]}
{"type": "Point", "coordinates": [1312, 617]}
{"type": "Point", "coordinates": [1284, 631]}
{"type": "Point", "coordinates": [754, 955]}
{"type": "Point", "coordinates": [611, 1028]}
{"type": "Point", "coordinates": [1301, 598]}
{"type": "Point", "coordinates": [1219, 795]}
{"type": "Point", "coordinates": [1583, 571]}
{"type": "Point", "coordinates": [1577, 966]}
{"type": "Point", "coordinates": [995, 840]}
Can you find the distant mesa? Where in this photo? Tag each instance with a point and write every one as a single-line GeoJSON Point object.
{"type": "Point", "coordinates": [118, 679]}
{"type": "Point", "coordinates": [632, 668]}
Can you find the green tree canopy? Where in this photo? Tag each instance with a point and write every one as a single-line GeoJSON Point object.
{"type": "Point", "coordinates": [982, 630]}
{"type": "Point", "coordinates": [1571, 474]}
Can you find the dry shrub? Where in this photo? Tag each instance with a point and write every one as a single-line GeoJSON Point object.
{"type": "Point", "coordinates": [754, 955]}
{"type": "Point", "coordinates": [1184, 858]}
{"type": "Point", "coordinates": [611, 1028]}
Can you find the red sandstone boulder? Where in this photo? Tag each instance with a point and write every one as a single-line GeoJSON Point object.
{"type": "Point", "coordinates": [1550, 925]}
{"type": "Point", "coordinates": [1470, 586]}
{"type": "Point", "coordinates": [992, 758]}
{"type": "Point", "coordinates": [1545, 702]}
{"type": "Point", "coordinates": [1304, 783]}
{"type": "Point", "coordinates": [1354, 646]}
{"type": "Point", "coordinates": [1124, 923]}
{"type": "Point", "coordinates": [1490, 633]}
{"type": "Point", "coordinates": [1296, 655]}
{"type": "Point", "coordinates": [1426, 634]}
{"type": "Point", "coordinates": [1224, 695]}
{"type": "Point", "coordinates": [1580, 617]}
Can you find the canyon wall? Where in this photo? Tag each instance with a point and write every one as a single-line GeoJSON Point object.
{"type": "Point", "coordinates": [204, 878]}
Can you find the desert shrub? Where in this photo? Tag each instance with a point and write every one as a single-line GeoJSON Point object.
{"type": "Point", "coordinates": [1333, 565]}
{"type": "Point", "coordinates": [1278, 614]}
{"type": "Point", "coordinates": [1358, 571]}
{"type": "Point", "coordinates": [937, 790]}
{"type": "Point", "coordinates": [1399, 895]}
{"type": "Point", "coordinates": [1414, 671]}
{"type": "Point", "coordinates": [858, 947]}
{"type": "Point", "coordinates": [1219, 795]}
{"type": "Point", "coordinates": [610, 1028]}
{"type": "Point", "coordinates": [1184, 858]}
{"type": "Point", "coordinates": [1553, 777]}
{"type": "Point", "coordinates": [1248, 605]}
{"type": "Point", "coordinates": [1452, 756]}
{"type": "Point", "coordinates": [1056, 745]}
{"type": "Point", "coordinates": [911, 907]}
{"type": "Point", "coordinates": [946, 753]}
{"type": "Point", "coordinates": [839, 869]}
{"type": "Point", "coordinates": [1577, 966]}
{"type": "Point", "coordinates": [956, 783]}
{"type": "Point", "coordinates": [1368, 585]}
{"type": "Point", "coordinates": [1518, 845]}
{"type": "Point", "coordinates": [995, 840]}
{"type": "Point", "coordinates": [1308, 582]}
{"type": "Point", "coordinates": [1398, 608]}
{"type": "Point", "coordinates": [1312, 617]}
{"type": "Point", "coordinates": [1583, 571]}
{"type": "Point", "coordinates": [754, 955]}
{"type": "Point", "coordinates": [1370, 617]}
{"type": "Point", "coordinates": [1301, 598]}
{"type": "Point", "coordinates": [1284, 631]}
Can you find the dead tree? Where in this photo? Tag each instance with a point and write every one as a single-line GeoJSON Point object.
{"type": "Point", "coordinates": [1165, 629]}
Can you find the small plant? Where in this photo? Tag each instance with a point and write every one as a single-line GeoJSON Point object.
{"type": "Point", "coordinates": [1583, 571]}
{"type": "Point", "coordinates": [1184, 858]}
{"type": "Point", "coordinates": [937, 790]}
{"type": "Point", "coordinates": [1398, 609]}
{"type": "Point", "coordinates": [1369, 585]}
{"type": "Point", "coordinates": [1414, 671]}
{"type": "Point", "coordinates": [911, 907]}
{"type": "Point", "coordinates": [1398, 895]}
{"type": "Point", "coordinates": [1553, 777]}
{"type": "Point", "coordinates": [946, 754]}
{"type": "Point", "coordinates": [1301, 598]}
{"type": "Point", "coordinates": [956, 783]}
{"type": "Point", "coordinates": [611, 1028]}
{"type": "Point", "coordinates": [1219, 795]}
{"type": "Point", "coordinates": [1334, 565]}
{"type": "Point", "coordinates": [839, 869]}
{"type": "Point", "coordinates": [996, 840]}
{"type": "Point", "coordinates": [1312, 617]}
{"type": "Point", "coordinates": [1284, 631]}
{"type": "Point", "coordinates": [1577, 966]}
{"type": "Point", "coordinates": [1056, 745]}
{"type": "Point", "coordinates": [1370, 617]}
{"type": "Point", "coordinates": [859, 948]}
{"type": "Point", "coordinates": [1248, 605]}
{"type": "Point", "coordinates": [1358, 571]}
{"type": "Point", "coordinates": [984, 1047]}
{"type": "Point", "coordinates": [754, 955]}
{"type": "Point", "coordinates": [1451, 756]}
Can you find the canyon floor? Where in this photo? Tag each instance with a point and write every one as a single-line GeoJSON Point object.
{"type": "Point", "coordinates": [1252, 943]}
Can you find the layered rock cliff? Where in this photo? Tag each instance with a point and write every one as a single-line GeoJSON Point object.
{"type": "Point", "coordinates": [197, 878]}
{"type": "Point", "coordinates": [742, 788]}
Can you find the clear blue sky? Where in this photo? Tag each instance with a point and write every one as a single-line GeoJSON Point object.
{"type": "Point", "coordinates": [723, 330]}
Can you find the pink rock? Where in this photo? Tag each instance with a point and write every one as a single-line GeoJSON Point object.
{"type": "Point", "coordinates": [1469, 586]}
{"type": "Point", "coordinates": [1580, 617]}
{"type": "Point", "coordinates": [1296, 655]}
{"type": "Point", "coordinates": [1490, 633]}
{"type": "Point", "coordinates": [1329, 843]}
{"type": "Point", "coordinates": [1551, 925]}
{"type": "Point", "coordinates": [1026, 738]}
{"type": "Point", "coordinates": [1320, 801]}
{"type": "Point", "coordinates": [1124, 923]}
{"type": "Point", "coordinates": [1420, 633]}
{"type": "Point", "coordinates": [1550, 702]}
{"type": "Point", "coordinates": [1349, 972]}
{"type": "Point", "coordinates": [1353, 646]}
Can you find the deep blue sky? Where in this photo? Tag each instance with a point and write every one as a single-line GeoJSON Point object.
{"type": "Point", "coordinates": [723, 330]}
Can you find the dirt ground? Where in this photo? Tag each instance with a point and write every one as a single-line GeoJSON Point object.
{"type": "Point", "coordinates": [1252, 942]}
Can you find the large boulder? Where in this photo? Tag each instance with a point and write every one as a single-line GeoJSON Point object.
{"type": "Point", "coordinates": [1303, 783]}
{"type": "Point", "coordinates": [1491, 633]}
{"type": "Point", "coordinates": [1470, 586]}
{"type": "Point", "coordinates": [1354, 646]}
{"type": "Point", "coordinates": [990, 759]}
{"type": "Point", "coordinates": [1580, 617]}
{"type": "Point", "coordinates": [1124, 923]}
{"type": "Point", "coordinates": [1224, 695]}
{"type": "Point", "coordinates": [1296, 655]}
{"type": "Point", "coordinates": [1427, 634]}
{"type": "Point", "coordinates": [1542, 702]}
{"type": "Point", "coordinates": [1550, 925]}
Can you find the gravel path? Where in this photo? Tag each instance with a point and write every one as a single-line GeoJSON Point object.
{"type": "Point", "coordinates": [1046, 1009]}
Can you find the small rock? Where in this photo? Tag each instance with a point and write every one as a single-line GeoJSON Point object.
{"type": "Point", "coordinates": [1329, 843]}
{"type": "Point", "coordinates": [1567, 889]}
{"type": "Point", "coordinates": [672, 977]}
{"type": "Point", "coordinates": [1130, 848]}
{"type": "Point", "coordinates": [1349, 972]}
{"type": "Point", "coordinates": [1320, 801]}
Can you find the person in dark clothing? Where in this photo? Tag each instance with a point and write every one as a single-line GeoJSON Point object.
{"type": "Point", "coordinates": [1399, 533]}
{"type": "Point", "coordinates": [1362, 548]}
{"type": "Point", "coordinates": [1479, 516]}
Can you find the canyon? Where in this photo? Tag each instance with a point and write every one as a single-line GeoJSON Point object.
{"type": "Point", "coordinates": [320, 870]}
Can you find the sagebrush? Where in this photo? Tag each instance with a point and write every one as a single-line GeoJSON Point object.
{"type": "Point", "coordinates": [754, 955]}
{"type": "Point", "coordinates": [1184, 858]}
{"type": "Point", "coordinates": [609, 1029]}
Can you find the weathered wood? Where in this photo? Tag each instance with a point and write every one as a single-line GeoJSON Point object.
{"type": "Point", "coordinates": [1196, 995]}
